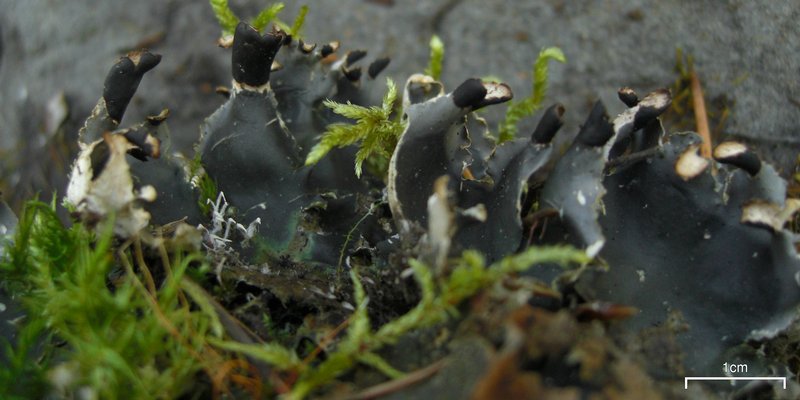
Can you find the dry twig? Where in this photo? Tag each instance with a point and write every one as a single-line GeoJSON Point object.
{"type": "Point", "coordinates": [700, 115]}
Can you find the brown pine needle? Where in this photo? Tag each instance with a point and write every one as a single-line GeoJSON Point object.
{"type": "Point", "coordinates": [326, 340]}
{"type": "Point", "coordinates": [700, 115]}
{"type": "Point", "coordinates": [396, 385]}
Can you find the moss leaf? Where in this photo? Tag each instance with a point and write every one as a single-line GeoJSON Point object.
{"type": "Point", "coordinates": [436, 59]}
{"type": "Point", "coordinates": [373, 127]}
{"type": "Point", "coordinates": [297, 27]}
{"type": "Point", "coordinates": [227, 19]}
{"type": "Point", "coordinates": [266, 16]}
{"type": "Point", "coordinates": [527, 106]}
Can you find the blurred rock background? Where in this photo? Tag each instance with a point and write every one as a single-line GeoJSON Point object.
{"type": "Point", "coordinates": [54, 56]}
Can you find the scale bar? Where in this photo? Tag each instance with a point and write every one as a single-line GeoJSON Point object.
{"type": "Point", "coordinates": [731, 378]}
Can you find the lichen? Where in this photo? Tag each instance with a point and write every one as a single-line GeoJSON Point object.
{"type": "Point", "coordinates": [174, 270]}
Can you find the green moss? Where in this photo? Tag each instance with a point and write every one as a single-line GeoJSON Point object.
{"type": "Point", "coordinates": [518, 110]}
{"type": "Point", "coordinates": [374, 128]}
{"type": "Point", "coordinates": [208, 192]}
{"type": "Point", "coordinates": [206, 187]}
{"type": "Point", "coordinates": [271, 353]}
{"type": "Point", "coordinates": [680, 115]}
{"type": "Point", "coordinates": [123, 339]}
{"type": "Point", "coordinates": [439, 299]}
{"type": "Point", "coordinates": [227, 19]}
{"type": "Point", "coordinates": [681, 88]}
{"type": "Point", "coordinates": [297, 27]}
{"type": "Point", "coordinates": [267, 15]}
{"type": "Point", "coordinates": [21, 377]}
{"type": "Point", "coordinates": [436, 59]}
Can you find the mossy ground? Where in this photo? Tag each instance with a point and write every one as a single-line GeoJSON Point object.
{"type": "Point", "coordinates": [306, 329]}
{"type": "Point", "coordinates": [140, 314]}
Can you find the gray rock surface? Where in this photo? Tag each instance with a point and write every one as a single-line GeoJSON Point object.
{"type": "Point", "coordinates": [746, 51]}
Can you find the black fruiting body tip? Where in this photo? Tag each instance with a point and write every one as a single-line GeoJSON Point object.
{"type": "Point", "coordinates": [123, 80]}
{"type": "Point", "coordinates": [597, 130]}
{"type": "Point", "coordinates": [470, 93]}
{"type": "Point", "coordinates": [156, 120]}
{"type": "Point", "coordinates": [306, 47]}
{"type": "Point", "coordinates": [354, 56]}
{"type": "Point", "coordinates": [251, 59]}
{"type": "Point", "coordinates": [98, 158]}
{"type": "Point", "coordinates": [377, 67]}
{"type": "Point", "coordinates": [652, 106]}
{"type": "Point", "coordinates": [328, 49]}
{"type": "Point", "coordinates": [146, 144]}
{"type": "Point", "coordinates": [224, 91]}
{"type": "Point", "coordinates": [738, 155]}
{"type": "Point", "coordinates": [549, 124]}
{"type": "Point", "coordinates": [628, 96]}
{"type": "Point", "coordinates": [495, 93]}
{"type": "Point", "coordinates": [138, 154]}
{"type": "Point", "coordinates": [353, 75]}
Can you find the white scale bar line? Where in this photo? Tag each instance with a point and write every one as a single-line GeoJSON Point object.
{"type": "Point", "coordinates": [731, 378]}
